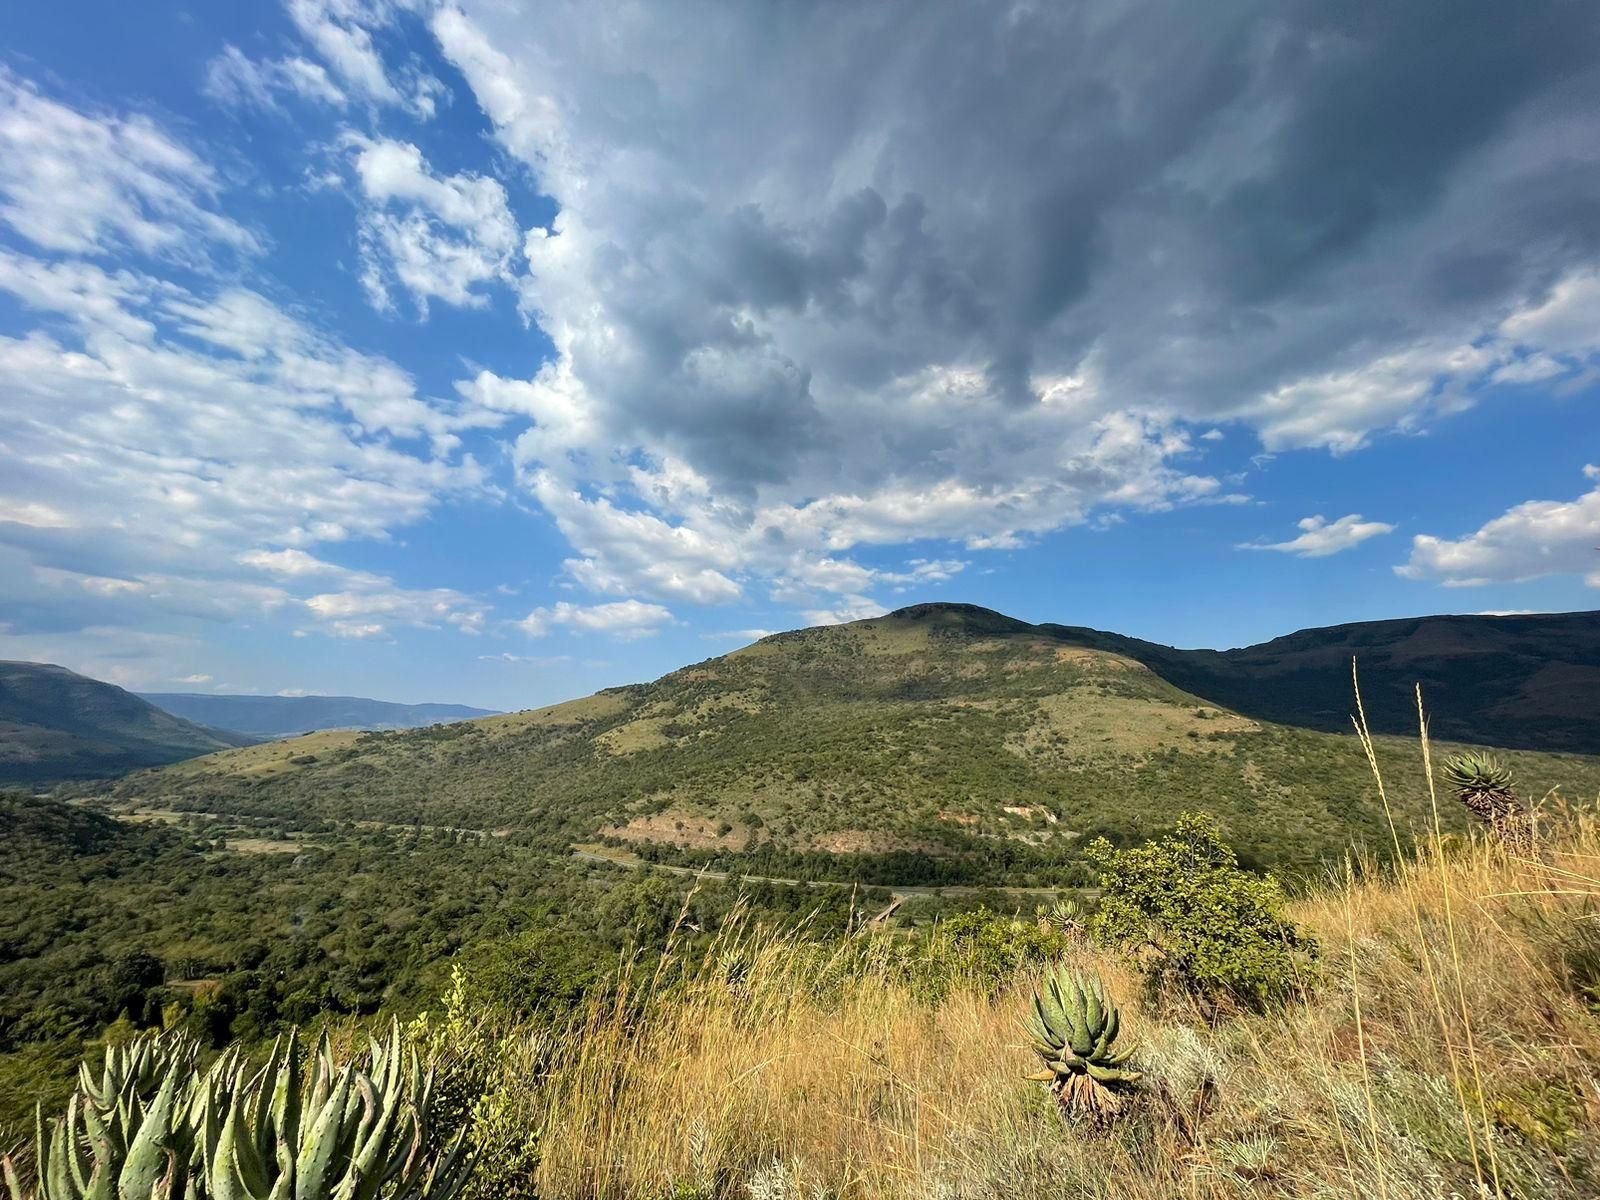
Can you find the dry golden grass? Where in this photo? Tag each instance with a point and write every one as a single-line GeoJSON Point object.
{"type": "Point", "coordinates": [569, 713]}
{"type": "Point", "coordinates": [1445, 1047]}
{"type": "Point", "coordinates": [1065, 724]}
{"type": "Point", "coordinates": [268, 758]}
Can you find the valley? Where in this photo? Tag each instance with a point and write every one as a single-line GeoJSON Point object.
{"type": "Point", "coordinates": [943, 739]}
{"type": "Point", "coordinates": [895, 773]}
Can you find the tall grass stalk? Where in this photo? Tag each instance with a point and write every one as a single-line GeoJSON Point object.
{"type": "Point", "coordinates": [1361, 1035]}
{"type": "Point", "coordinates": [1455, 954]}
{"type": "Point", "coordinates": [1405, 871]}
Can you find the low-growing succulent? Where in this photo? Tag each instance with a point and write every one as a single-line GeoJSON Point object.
{"type": "Point", "coordinates": [1074, 1029]}
{"type": "Point", "coordinates": [349, 1133]}
{"type": "Point", "coordinates": [1066, 917]}
{"type": "Point", "coordinates": [290, 1130]}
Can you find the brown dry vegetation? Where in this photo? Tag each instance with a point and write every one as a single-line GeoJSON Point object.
{"type": "Point", "coordinates": [678, 828]}
{"type": "Point", "coordinates": [1447, 1045]}
{"type": "Point", "coordinates": [270, 758]}
{"type": "Point", "coordinates": [1063, 725]}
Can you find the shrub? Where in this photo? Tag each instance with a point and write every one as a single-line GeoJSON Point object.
{"type": "Point", "coordinates": [980, 946]}
{"type": "Point", "coordinates": [483, 1086]}
{"type": "Point", "coordinates": [1197, 920]}
{"type": "Point", "coordinates": [543, 972]}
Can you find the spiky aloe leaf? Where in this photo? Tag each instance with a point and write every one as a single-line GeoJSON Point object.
{"type": "Point", "coordinates": [1102, 1074]}
{"type": "Point", "coordinates": [285, 1109]}
{"type": "Point", "coordinates": [1477, 772]}
{"type": "Point", "coordinates": [369, 1165]}
{"type": "Point", "coordinates": [447, 1176]}
{"type": "Point", "coordinates": [156, 1142]}
{"type": "Point", "coordinates": [1094, 1005]}
{"type": "Point", "coordinates": [8, 1173]}
{"type": "Point", "coordinates": [1108, 1034]}
{"type": "Point", "coordinates": [247, 1134]}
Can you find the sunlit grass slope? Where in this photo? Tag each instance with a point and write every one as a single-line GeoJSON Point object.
{"type": "Point", "coordinates": [1447, 1044]}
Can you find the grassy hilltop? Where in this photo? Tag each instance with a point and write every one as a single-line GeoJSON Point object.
{"type": "Point", "coordinates": [937, 736]}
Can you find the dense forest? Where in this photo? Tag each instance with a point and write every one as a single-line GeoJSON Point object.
{"type": "Point", "coordinates": [238, 934]}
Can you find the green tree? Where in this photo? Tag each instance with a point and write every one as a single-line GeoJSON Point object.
{"type": "Point", "coordinates": [539, 971]}
{"type": "Point", "coordinates": [1196, 919]}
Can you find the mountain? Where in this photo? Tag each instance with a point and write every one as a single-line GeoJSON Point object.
{"type": "Point", "coordinates": [1529, 681]}
{"type": "Point", "coordinates": [285, 716]}
{"type": "Point", "coordinates": [940, 742]}
{"type": "Point", "coordinates": [57, 725]}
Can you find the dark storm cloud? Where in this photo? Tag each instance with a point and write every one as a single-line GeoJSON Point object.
{"type": "Point", "coordinates": [1383, 101]}
{"type": "Point", "coordinates": [857, 251]}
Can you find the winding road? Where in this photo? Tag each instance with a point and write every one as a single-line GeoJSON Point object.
{"type": "Point", "coordinates": [899, 892]}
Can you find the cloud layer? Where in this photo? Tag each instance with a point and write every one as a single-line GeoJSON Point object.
{"type": "Point", "coordinates": [841, 298]}
{"type": "Point", "coordinates": [173, 442]}
{"type": "Point", "coordinates": [816, 284]}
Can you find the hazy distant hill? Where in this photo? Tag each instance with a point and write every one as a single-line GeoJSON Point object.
{"type": "Point", "coordinates": [286, 716]}
{"type": "Point", "coordinates": [940, 733]}
{"type": "Point", "coordinates": [57, 725]}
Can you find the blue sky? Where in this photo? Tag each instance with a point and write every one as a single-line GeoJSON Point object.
{"type": "Point", "coordinates": [493, 352]}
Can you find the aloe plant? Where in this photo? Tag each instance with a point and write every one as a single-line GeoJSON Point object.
{"type": "Point", "coordinates": [1485, 788]}
{"type": "Point", "coordinates": [136, 1069]}
{"type": "Point", "coordinates": [131, 1151]}
{"type": "Point", "coordinates": [1065, 917]}
{"type": "Point", "coordinates": [1074, 1029]}
{"type": "Point", "coordinates": [290, 1130]}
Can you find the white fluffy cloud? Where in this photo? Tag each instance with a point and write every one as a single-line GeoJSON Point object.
{"type": "Point", "coordinates": [174, 449]}
{"type": "Point", "coordinates": [1320, 537]}
{"type": "Point", "coordinates": [234, 78]}
{"type": "Point", "coordinates": [435, 237]}
{"type": "Point", "coordinates": [1535, 539]}
{"type": "Point", "coordinates": [88, 184]}
{"type": "Point", "coordinates": [624, 620]}
{"type": "Point", "coordinates": [341, 34]}
{"type": "Point", "coordinates": [361, 604]}
{"type": "Point", "coordinates": [997, 278]}
{"type": "Point", "coordinates": [849, 608]}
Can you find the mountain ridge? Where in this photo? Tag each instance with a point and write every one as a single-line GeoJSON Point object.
{"type": "Point", "coordinates": [1535, 684]}
{"type": "Point", "coordinates": [1536, 688]}
{"type": "Point", "coordinates": [936, 734]}
{"type": "Point", "coordinates": [57, 725]}
{"type": "Point", "coordinates": [286, 716]}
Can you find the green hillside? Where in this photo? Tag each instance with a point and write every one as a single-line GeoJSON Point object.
{"type": "Point", "coordinates": [1529, 680]}
{"type": "Point", "coordinates": [57, 725]}
{"type": "Point", "coordinates": [940, 753]}
{"type": "Point", "coordinates": [913, 743]}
